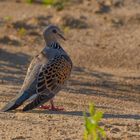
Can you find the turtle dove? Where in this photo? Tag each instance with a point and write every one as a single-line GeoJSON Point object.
{"type": "Point", "coordinates": [46, 75]}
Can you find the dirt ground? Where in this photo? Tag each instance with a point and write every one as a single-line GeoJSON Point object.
{"type": "Point", "coordinates": [104, 44]}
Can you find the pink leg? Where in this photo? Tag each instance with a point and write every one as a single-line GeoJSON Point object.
{"type": "Point", "coordinates": [55, 108]}
{"type": "Point", "coordinates": [51, 107]}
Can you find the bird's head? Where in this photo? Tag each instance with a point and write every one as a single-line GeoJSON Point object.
{"type": "Point", "coordinates": [53, 34]}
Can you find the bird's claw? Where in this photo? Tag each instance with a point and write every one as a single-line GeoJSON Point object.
{"type": "Point", "coordinates": [51, 108]}
{"type": "Point", "coordinates": [56, 108]}
{"type": "Point", "coordinates": [44, 107]}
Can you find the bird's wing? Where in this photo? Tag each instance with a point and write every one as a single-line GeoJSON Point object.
{"type": "Point", "coordinates": [32, 71]}
{"type": "Point", "coordinates": [53, 75]}
{"type": "Point", "coordinates": [51, 78]}
{"type": "Point", "coordinates": [30, 68]}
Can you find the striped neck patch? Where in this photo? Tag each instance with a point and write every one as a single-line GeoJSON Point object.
{"type": "Point", "coordinates": [55, 45]}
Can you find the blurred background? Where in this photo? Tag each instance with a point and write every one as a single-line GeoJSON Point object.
{"type": "Point", "coordinates": [103, 41]}
{"type": "Point", "coordinates": [100, 33]}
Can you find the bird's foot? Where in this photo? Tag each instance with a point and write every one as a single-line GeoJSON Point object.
{"type": "Point", "coordinates": [51, 108]}
{"type": "Point", "coordinates": [56, 108]}
{"type": "Point", "coordinates": [44, 107]}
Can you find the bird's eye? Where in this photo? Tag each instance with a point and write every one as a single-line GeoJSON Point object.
{"type": "Point", "coordinates": [54, 31]}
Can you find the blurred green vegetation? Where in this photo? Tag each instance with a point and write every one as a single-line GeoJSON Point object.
{"type": "Point", "coordinates": [58, 4]}
{"type": "Point", "coordinates": [22, 31]}
{"type": "Point", "coordinates": [7, 18]}
{"type": "Point", "coordinates": [92, 129]}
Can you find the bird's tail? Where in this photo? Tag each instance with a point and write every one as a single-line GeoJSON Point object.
{"type": "Point", "coordinates": [39, 100]}
{"type": "Point", "coordinates": [16, 102]}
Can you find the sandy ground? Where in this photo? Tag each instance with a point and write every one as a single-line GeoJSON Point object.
{"type": "Point", "coordinates": [105, 49]}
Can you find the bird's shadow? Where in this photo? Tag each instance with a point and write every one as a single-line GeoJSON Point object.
{"type": "Point", "coordinates": [80, 114]}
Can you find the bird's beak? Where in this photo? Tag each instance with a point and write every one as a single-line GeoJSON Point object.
{"type": "Point", "coordinates": [62, 36]}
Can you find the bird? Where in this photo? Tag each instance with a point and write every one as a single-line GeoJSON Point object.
{"type": "Point", "coordinates": [46, 74]}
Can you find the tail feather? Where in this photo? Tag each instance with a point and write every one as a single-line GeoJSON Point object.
{"type": "Point", "coordinates": [10, 106]}
{"type": "Point", "coordinates": [40, 99]}
{"type": "Point", "coordinates": [16, 102]}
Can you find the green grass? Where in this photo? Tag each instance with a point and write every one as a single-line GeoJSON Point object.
{"type": "Point", "coordinates": [46, 2]}
{"type": "Point", "coordinates": [7, 18]}
{"type": "Point", "coordinates": [92, 129]}
{"type": "Point", "coordinates": [30, 1]}
{"type": "Point", "coordinates": [58, 4]}
{"type": "Point", "coordinates": [22, 31]}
